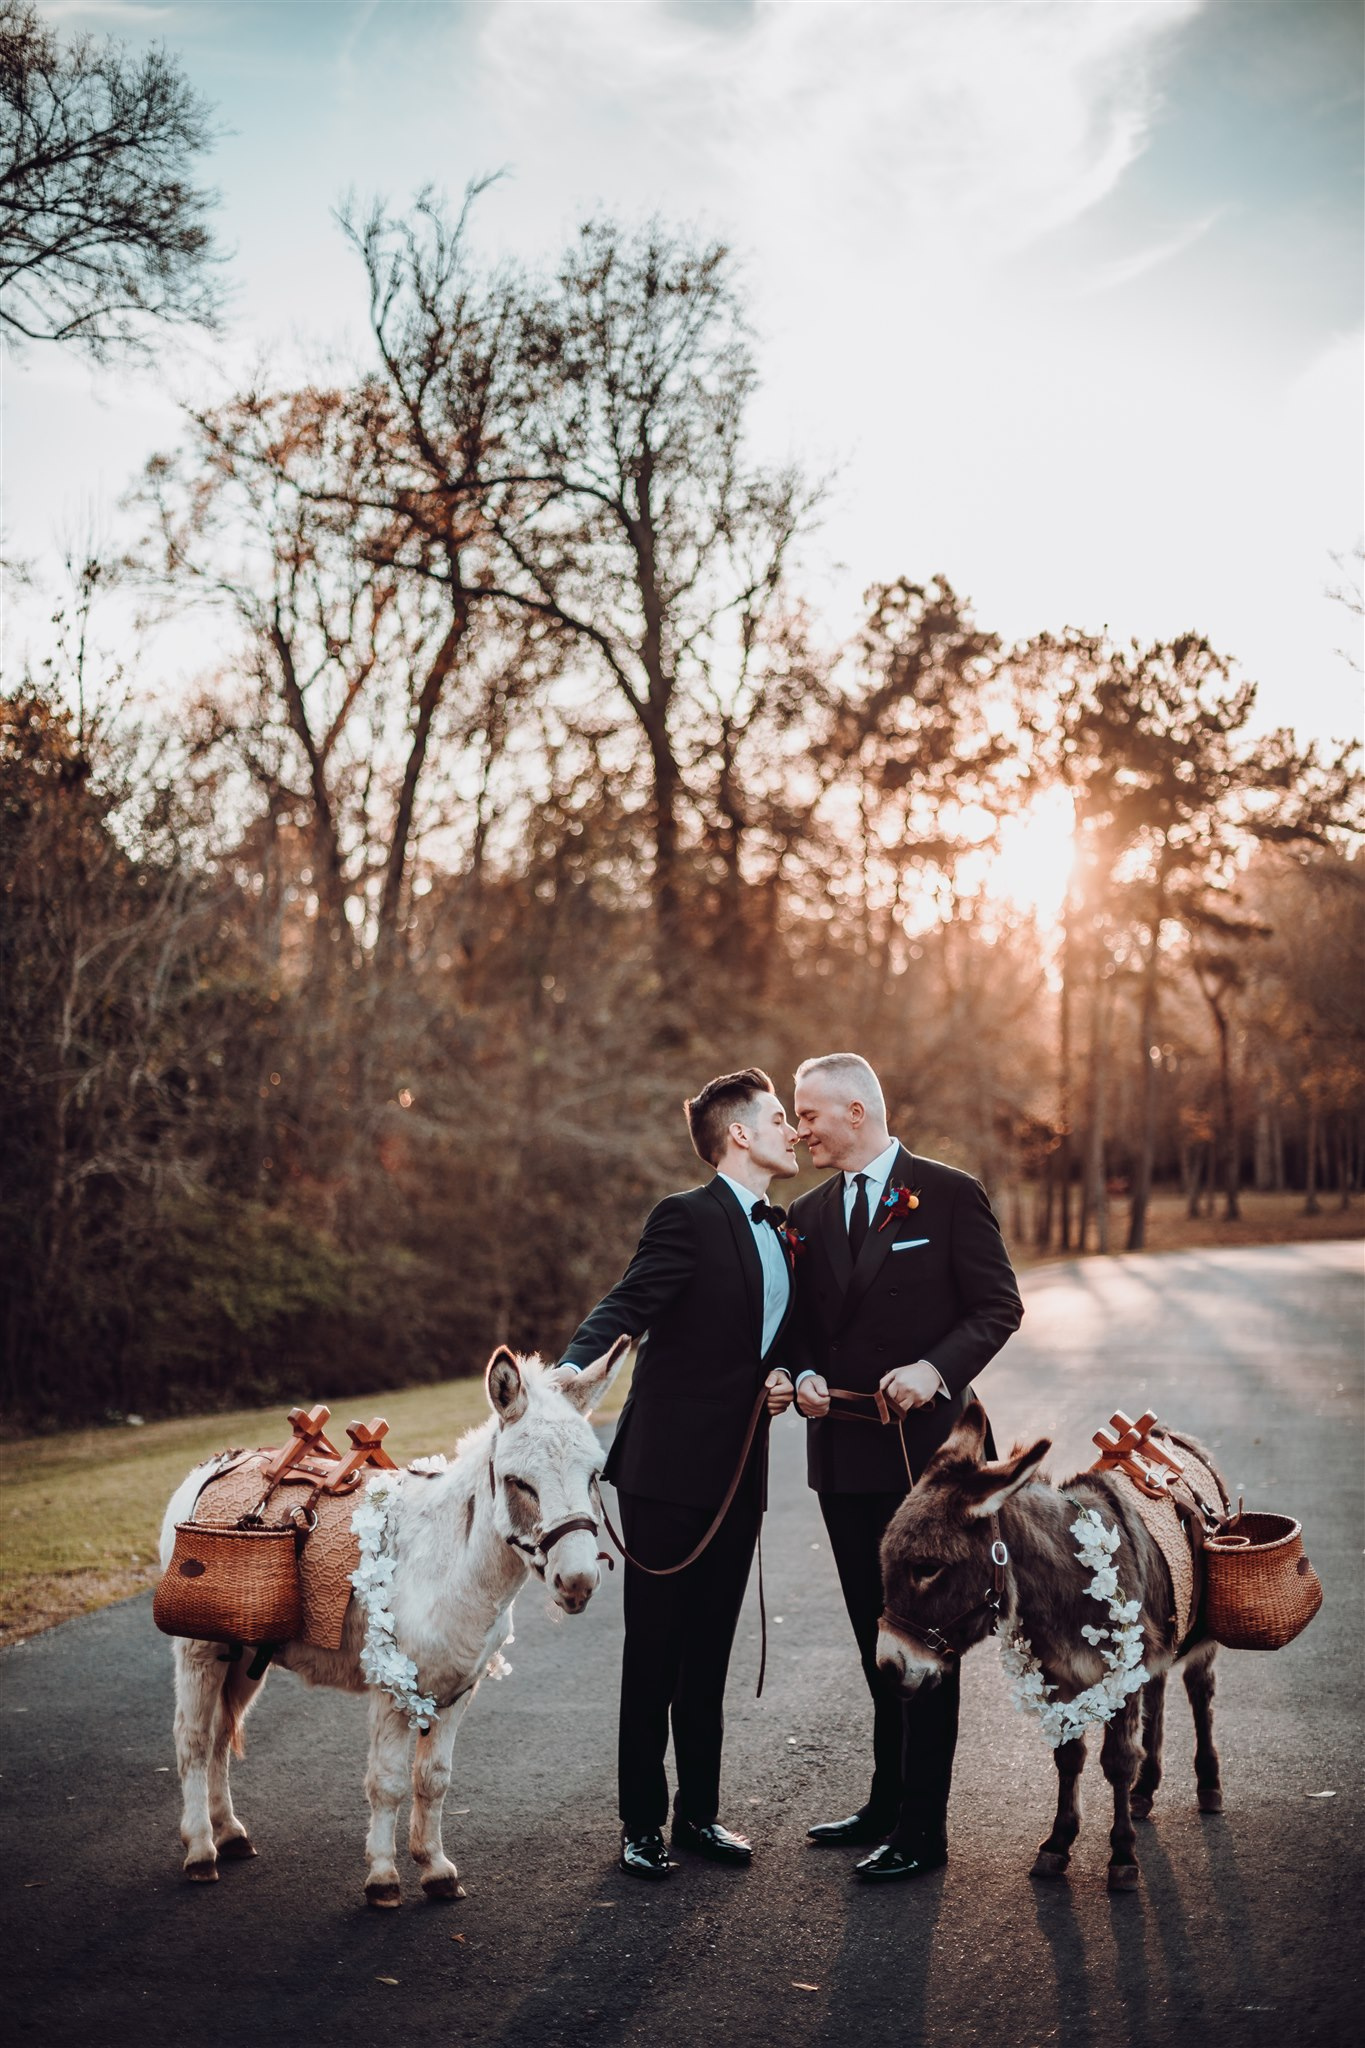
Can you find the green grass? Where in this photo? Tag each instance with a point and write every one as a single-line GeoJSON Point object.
{"type": "Point", "coordinates": [80, 1512]}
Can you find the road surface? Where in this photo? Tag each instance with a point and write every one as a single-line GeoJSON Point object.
{"type": "Point", "coordinates": [1246, 1930]}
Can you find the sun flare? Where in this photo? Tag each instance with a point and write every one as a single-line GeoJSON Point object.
{"type": "Point", "coordinates": [1032, 865]}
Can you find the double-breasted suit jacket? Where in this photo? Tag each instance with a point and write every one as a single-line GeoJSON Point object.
{"type": "Point", "coordinates": [694, 1292]}
{"type": "Point", "coordinates": [933, 1282]}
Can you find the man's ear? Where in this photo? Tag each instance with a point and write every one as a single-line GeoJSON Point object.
{"type": "Point", "coordinates": [505, 1386]}
{"type": "Point", "coordinates": [588, 1386]}
{"type": "Point", "coordinates": [995, 1484]}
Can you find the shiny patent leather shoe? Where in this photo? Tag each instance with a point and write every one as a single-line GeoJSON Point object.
{"type": "Point", "coordinates": [645, 1855]}
{"type": "Point", "coordinates": [889, 1863]}
{"type": "Point", "coordinates": [710, 1839]}
{"type": "Point", "coordinates": [859, 1827]}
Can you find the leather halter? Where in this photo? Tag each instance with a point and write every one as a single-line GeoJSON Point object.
{"type": "Point", "coordinates": [538, 1550]}
{"type": "Point", "coordinates": [936, 1640]}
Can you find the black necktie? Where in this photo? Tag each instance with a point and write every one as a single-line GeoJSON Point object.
{"type": "Point", "coordinates": [768, 1212]}
{"type": "Point", "coordinates": [857, 1216]}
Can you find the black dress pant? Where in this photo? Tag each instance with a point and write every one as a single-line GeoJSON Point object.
{"type": "Point", "coordinates": [914, 1736]}
{"type": "Point", "coordinates": [679, 1632]}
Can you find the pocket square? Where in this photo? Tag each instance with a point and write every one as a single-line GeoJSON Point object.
{"type": "Point", "coordinates": [909, 1244]}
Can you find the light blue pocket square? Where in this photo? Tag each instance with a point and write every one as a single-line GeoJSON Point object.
{"type": "Point", "coordinates": [909, 1244]}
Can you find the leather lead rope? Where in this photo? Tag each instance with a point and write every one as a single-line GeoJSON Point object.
{"type": "Point", "coordinates": [669, 1571]}
{"type": "Point", "coordinates": [873, 1407]}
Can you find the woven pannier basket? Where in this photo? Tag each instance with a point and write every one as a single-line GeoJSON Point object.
{"type": "Point", "coordinates": [1261, 1589]}
{"type": "Point", "coordinates": [230, 1585]}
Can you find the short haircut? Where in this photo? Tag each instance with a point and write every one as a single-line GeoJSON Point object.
{"type": "Point", "coordinates": [850, 1073]}
{"type": "Point", "coordinates": [711, 1113]}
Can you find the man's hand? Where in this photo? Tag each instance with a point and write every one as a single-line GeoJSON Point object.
{"type": "Point", "coordinates": [812, 1396]}
{"type": "Point", "coordinates": [780, 1390]}
{"type": "Point", "coordinates": [561, 1376]}
{"type": "Point", "coordinates": [911, 1386]}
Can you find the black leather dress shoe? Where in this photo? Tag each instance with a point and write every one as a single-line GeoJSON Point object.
{"type": "Point", "coordinates": [645, 1855]}
{"type": "Point", "coordinates": [711, 1840]}
{"type": "Point", "coordinates": [859, 1827]}
{"type": "Point", "coordinates": [888, 1863]}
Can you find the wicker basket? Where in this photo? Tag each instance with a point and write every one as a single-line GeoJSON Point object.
{"type": "Point", "coordinates": [1262, 1591]}
{"type": "Point", "coordinates": [230, 1585]}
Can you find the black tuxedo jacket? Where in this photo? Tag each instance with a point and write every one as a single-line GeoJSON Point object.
{"type": "Point", "coordinates": [935, 1283]}
{"type": "Point", "coordinates": [694, 1293]}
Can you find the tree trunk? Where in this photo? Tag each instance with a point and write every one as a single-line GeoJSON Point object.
{"type": "Point", "coordinates": [1064, 1079]}
{"type": "Point", "coordinates": [1151, 1077]}
{"type": "Point", "coordinates": [1227, 1135]}
{"type": "Point", "coordinates": [396, 860]}
{"type": "Point", "coordinates": [1099, 1088]}
{"type": "Point", "coordinates": [1311, 1204]}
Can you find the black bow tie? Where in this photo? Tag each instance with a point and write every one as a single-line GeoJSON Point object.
{"type": "Point", "coordinates": [768, 1212]}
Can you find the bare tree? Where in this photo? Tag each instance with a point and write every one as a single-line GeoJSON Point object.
{"type": "Point", "coordinates": [101, 228]}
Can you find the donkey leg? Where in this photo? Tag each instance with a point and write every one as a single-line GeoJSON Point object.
{"type": "Point", "coordinates": [1119, 1761]}
{"type": "Point", "coordinates": [233, 1842]}
{"type": "Point", "coordinates": [386, 1780]}
{"type": "Point", "coordinates": [1153, 1738]}
{"type": "Point", "coordinates": [1055, 1854]}
{"type": "Point", "coordinates": [198, 1685]}
{"type": "Point", "coordinates": [430, 1783]}
{"type": "Point", "coordinates": [1200, 1684]}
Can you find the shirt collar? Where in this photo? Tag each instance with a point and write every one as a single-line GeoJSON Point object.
{"type": "Point", "coordinates": [878, 1170]}
{"type": "Point", "coordinates": [744, 1196]}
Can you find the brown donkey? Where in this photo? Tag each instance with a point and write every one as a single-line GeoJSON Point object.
{"type": "Point", "coordinates": [979, 1542]}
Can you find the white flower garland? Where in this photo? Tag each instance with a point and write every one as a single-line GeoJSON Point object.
{"type": "Point", "coordinates": [1063, 1720]}
{"type": "Point", "coordinates": [381, 1660]}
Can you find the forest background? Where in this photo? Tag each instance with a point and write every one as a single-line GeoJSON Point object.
{"type": "Point", "coordinates": [347, 1006]}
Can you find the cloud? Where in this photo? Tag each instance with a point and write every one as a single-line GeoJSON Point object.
{"type": "Point", "coordinates": [1124, 269]}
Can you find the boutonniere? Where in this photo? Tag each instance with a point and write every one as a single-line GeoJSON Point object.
{"type": "Point", "coordinates": [793, 1240]}
{"type": "Point", "coordinates": [895, 1203]}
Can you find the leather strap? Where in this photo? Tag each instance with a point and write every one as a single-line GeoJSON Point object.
{"type": "Point", "coordinates": [667, 1571]}
{"type": "Point", "coordinates": [873, 1407]}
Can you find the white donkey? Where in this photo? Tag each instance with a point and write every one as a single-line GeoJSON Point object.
{"type": "Point", "coordinates": [464, 1542]}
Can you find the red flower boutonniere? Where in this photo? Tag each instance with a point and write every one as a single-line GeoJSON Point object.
{"type": "Point", "coordinates": [795, 1243]}
{"type": "Point", "coordinates": [895, 1203]}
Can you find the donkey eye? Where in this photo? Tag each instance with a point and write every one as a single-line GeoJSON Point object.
{"type": "Point", "coordinates": [523, 1486]}
{"type": "Point", "coordinates": [926, 1567]}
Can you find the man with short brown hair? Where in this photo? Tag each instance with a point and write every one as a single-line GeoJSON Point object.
{"type": "Point", "coordinates": [709, 1294]}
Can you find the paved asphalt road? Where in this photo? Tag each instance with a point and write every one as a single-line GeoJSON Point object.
{"type": "Point", "coordinates": [1246, 1930]}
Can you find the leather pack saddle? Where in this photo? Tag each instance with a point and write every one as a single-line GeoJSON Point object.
{"type": "Point", "coordinates": [1174, 1494]}
{"type": "Point", "coordinates": [310, 1484]}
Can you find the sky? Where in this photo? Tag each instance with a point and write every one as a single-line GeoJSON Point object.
{"type": "Point", "coordinates": [1067, 295]}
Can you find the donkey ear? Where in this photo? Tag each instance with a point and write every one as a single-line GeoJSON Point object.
{"type": "Point", "coordinates": [999, 1482]}
{"type": "Point", "coordinates": [586, 1388]}
{"type": "Point", "coordinates": [968, 1439]}
{"type": "Point", "coordinates": [506, 1388]}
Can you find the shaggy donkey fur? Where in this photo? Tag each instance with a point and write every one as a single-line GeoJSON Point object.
{"type": "Point", "coordinates": [532, 1466]}
{"type": "Point", "coordinates": [936, 1572]}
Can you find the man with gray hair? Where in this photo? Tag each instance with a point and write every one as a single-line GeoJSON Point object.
{"type": "Point", "coordinates": [904, 1289]}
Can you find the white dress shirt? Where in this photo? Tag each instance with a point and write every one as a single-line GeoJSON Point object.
{"type": "Point", "coordinates": [777, 1279]}
{"type": "Point", "coordinates": [877, 1173]}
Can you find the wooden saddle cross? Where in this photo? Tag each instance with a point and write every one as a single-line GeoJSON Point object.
{"type": "Point", "coordinates": [310, 1453]}
{"type": "Point", "coordinates": [1127, 1446]}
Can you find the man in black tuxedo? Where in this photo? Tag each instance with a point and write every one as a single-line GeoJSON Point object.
{"type": "Point", "coordinates": [905, 1285]}
{"type": "Point", "coordinates": [709, 1292]}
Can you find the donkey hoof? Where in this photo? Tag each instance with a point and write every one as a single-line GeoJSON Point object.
{"type": "Point", "coordinates": [1210, 1799]}
{"type": "Point", "coordinates": [203, 1872]}
{"type": "Point", "coordinates": [236, 1849]}
{"type": "Point", "coordinates": [1049, 1863]}
{"type": "Point", "coordinates": [1140, 1806]}
{"type": "Point", "coordinates": [383, 1895]}
{"type": "Point", "coordinates": [1123, 1877]}
{"type": "Point", "coordinates": [443, 1887]}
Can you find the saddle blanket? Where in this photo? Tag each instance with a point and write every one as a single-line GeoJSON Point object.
{"type": "Point", "coordinates": [1169, 1530]}
{"type": "Point", "coordinates": [330, 1554]}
